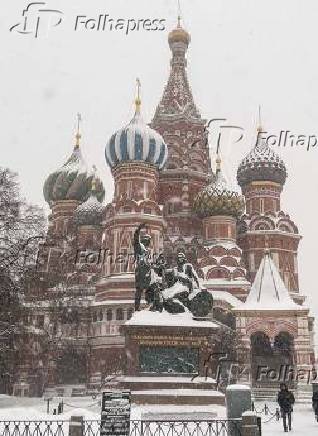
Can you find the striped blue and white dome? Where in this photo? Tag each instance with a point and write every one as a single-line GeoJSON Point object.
{"type": "Point", "coordinates": [136, 142]}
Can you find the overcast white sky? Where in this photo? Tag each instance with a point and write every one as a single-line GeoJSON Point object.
{"type": "Point", "coordinates": [243, 53]}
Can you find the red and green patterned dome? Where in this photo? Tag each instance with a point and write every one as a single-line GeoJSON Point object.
{"type": "Point", "coordinates": [216, 199]}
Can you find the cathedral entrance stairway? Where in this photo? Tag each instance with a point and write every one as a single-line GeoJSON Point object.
{"type": "Point", "coordinates": [66, 391]}
{"type": "Point", "coordinates": [172, 390]}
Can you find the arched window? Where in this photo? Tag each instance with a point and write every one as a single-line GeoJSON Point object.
{"type": "Point", "coordinates": [119, 314]}
{"type": "Point", "coordinates": [262, 226]}
{"type": "Point", "coordinates": [109, 315]}
{"type": "Point", "coordinates": [100, 316]}
{"type": "Point", "coordinates": [260, 344]}
{"type": "Point", "coordinates": [284, 343]}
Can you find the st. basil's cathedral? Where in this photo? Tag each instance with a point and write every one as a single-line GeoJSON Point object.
{"type": "Point", "coordinates": [243, 246]}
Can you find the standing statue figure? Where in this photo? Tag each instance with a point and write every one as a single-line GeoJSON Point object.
{"type": "Point", "coordinates": [143, 263]}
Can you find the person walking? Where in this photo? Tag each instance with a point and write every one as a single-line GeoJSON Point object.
{"type": "Point", "coordinates": [315, 403]}
{"type": "Point", "coordinates": [286, 402]}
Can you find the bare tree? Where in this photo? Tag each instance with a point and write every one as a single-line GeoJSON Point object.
{"type": "Point", "coordinates": [22, 226]}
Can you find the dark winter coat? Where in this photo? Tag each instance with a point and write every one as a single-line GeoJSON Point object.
{"type": "Point", "coordinates": [286, 400]}
{"type": "Point", "coordinates": [315, 400]}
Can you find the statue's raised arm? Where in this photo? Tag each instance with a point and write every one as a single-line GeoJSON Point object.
{"type": "Point", "coordinates": [138, 246]}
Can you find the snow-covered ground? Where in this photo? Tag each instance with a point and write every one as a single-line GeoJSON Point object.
{"type": "Point", "coordinates": [303, 423]}
{"type": "Point", "coordinates": [12, 408]}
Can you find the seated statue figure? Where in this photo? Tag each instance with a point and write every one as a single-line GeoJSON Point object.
{"type": "Point", "coordinates": [154, 293]}
{"type": "Point", "coordinates": [181, 281]}
{"type": "Point", "coordinates": [185, 273]}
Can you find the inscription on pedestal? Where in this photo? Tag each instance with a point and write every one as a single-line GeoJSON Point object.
{"type": "Point", "coordinates": [168, 360]}
{"type": "Point", "coordinates": [196, 341]}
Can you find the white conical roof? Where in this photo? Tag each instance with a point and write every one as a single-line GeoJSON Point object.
{"type": "Point", "coordinates": [268, 291]}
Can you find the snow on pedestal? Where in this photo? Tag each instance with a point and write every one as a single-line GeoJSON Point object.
{"type": "Point", "coordinates": [145, 317]}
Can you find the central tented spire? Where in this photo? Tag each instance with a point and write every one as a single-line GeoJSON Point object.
{"type": "Point", "coordinates": [177, 100]}
{"type": "Point", "coordinates": [268, 290]}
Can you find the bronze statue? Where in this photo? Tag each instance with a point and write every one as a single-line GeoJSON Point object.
{"type": "Point", "coordinates": [176, 289]}
{"type": "Point", "coordinates": [185, 273]}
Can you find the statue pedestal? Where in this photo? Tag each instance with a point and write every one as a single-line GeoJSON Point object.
{"type": "Point", "coordinates": [166, 356]}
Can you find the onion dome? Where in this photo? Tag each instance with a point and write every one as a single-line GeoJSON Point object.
{"type": "Point", "coordinates": [73, 180]}
{"type": "Point", "coordinates": [136, 142]}
{"type": "Point", "coordinates": [216, 199]}
{"type": "Point", "coordinates": [261, 164]}
{"type": "Point", "coordinates": [179, 35]}
{"type": "Point", "coordinates": [90, 213]}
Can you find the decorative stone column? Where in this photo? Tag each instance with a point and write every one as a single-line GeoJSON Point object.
{"type": "Point", "coordinates": [238, 401]}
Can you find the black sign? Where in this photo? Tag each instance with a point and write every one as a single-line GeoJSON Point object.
{"type": "Point", "coordinates": [115, 414]}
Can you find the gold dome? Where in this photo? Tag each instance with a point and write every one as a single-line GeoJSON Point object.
{"type": "Point", "coordinates": [179, 35]}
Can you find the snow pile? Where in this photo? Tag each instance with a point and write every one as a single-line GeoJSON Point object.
{"type": "Point", "coordinates": [152, 379]}
{"type": "Point", "coordinates": [146, 317]}
{"type": "Point", "coordinates": [225, 296]}
{"type": "Point", "coordinates": [34, 409]}
{"type": "Point", "coordinates": [238, 387]}
{"type": "Point", "coordinates": [15, 408]}
{"type": "Point", "coordinates": [75, 164]}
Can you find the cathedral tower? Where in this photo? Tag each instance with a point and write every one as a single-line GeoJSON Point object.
{"type": "Point", "coordinates": [219, 258]}
{"type": "Point", "coordinates": [262, 175]}
{"type": "Point", "coordinates": [69, 186]}
{"type": "Point", "coordinates": [136, 153]}
{"type": "Point", "coordinates": [179, 122]}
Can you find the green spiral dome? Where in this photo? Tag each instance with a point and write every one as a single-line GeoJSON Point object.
{"type": "Point", "coordinates": [72, 181]}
